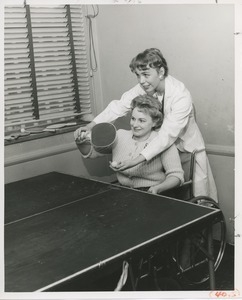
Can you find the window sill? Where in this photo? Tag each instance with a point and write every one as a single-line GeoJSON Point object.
{"type": "Point", "coordinates": [44, 134]}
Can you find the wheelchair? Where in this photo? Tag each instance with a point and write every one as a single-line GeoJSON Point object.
{"type": "Point", "coordinates": [185, 263]}
{"type": "Point", "coordinates": [188, 263]}
{"type": "Point", "coordinates": [194, 271]}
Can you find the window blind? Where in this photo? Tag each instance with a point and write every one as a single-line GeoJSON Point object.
{"type": "Point", "coordinates": [46, 67]}
{"type": "Point", "coordinates": [17, 73]}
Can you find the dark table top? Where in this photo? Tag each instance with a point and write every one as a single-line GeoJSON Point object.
{"type": "Point", "coordinates": [58, 226]}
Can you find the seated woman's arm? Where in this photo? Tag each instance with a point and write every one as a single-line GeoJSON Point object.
{"type": "Point", "coordinates": [87, 150]}
{"type": "Point", "coordinates": [173, 171]}
{"type": "Point", "coordinates": [169, 183]}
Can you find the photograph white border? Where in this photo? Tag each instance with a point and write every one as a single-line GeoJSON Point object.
{"type": "Point", "coordinates": [238, 160]}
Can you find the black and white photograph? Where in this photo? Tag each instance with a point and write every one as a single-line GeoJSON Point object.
{"type": "Point", "coordinates": [119, 175]}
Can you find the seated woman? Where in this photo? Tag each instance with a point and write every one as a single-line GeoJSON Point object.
{"type": "Point", "coordinates": [161, 173]}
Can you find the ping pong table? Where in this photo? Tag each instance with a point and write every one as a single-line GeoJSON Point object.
{"type": "Point", "coordinates": [61, 229]}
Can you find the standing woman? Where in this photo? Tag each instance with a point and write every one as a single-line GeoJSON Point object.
{"type": "Point", "coordinates": [179, 126]}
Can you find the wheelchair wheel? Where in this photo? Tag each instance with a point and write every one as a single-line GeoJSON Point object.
{"type": "Point", "coordinates": [191, 255]}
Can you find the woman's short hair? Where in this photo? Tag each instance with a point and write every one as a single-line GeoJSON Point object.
{"type": "Point", "coordinates": [151, 57]}
{"type": "Point", "coordinates": [151, 106]}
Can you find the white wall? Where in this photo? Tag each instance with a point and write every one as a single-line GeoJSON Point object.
{"type": "Point", "coordinates": [223, 170]}
{"type": "Point", "coordinates": [198, 44]}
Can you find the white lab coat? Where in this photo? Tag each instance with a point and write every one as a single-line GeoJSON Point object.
{"type": "Point", "coordinates": [179, 127]}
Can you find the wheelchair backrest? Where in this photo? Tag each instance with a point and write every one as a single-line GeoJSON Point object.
{"type": "Point", "coordinates": [187, 161]}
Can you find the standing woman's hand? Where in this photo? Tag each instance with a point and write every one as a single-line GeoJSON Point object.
{"type": "Point", "coordinates": [81, 133]}
{"type": "Point", "coordinates": [120, 165]}
{"type": "Point", "coordinates": [123, 165]}
{"type": "Point", "coordinates": [114, 165]}
{"type": "Point", "coordinates": [129, 163]}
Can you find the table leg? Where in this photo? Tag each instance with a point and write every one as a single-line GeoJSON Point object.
{"type": "Point", "coordinates": [211, 259]}
{"type": "Point", "coordinates": [132, 278]}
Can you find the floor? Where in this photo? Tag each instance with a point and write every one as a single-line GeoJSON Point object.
{"type": "Point", "coordinates": [224, 279]}
{"type": "Point", "coordinates": [224, 276]}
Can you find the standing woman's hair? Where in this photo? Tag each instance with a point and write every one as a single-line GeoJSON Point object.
{"type": "Point", "coordinates": [151, 106]}
{"type": "Point", "coordinates": [151, 57]}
